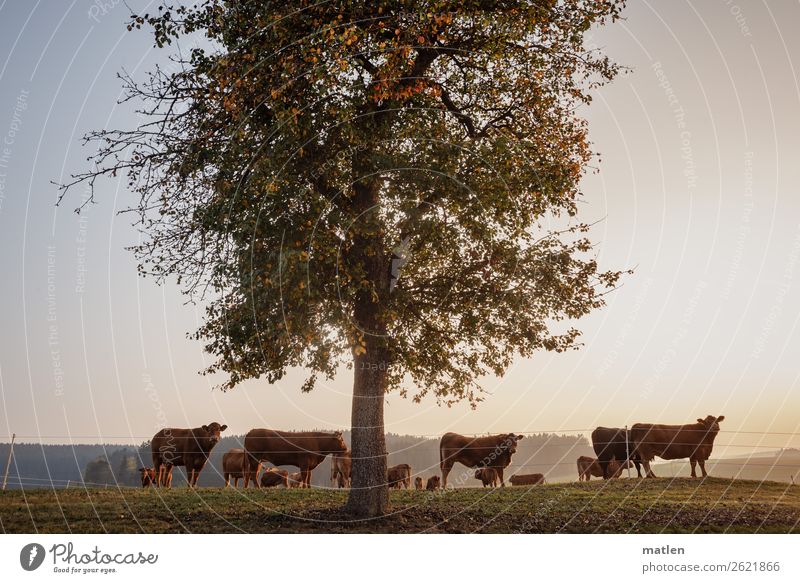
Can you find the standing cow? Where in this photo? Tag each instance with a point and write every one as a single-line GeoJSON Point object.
{"type": "Point", "coordinates": [487, 476]}
{"type": "Point", "coordinates": [304, 449]}
{"type": "Point", "coordinates": [183, 447]}
{"type": "Point", "coordinates": [614, 444]}
{"type": "Point", "coordinates": [341, 469]}
{"type": "Point", "coordinates": [671, 442]}
{"type": "Point", "coordinates": [589, 466]}
{"type": "Point", "coordinates": [233, 466]}
{"type": "Point", "coordinates": [399, 475]}
{"type": "Point", "coordinates": [494, 452]}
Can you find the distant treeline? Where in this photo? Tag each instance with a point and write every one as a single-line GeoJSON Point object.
{"type": "Point", "coordinates": [98, 465]}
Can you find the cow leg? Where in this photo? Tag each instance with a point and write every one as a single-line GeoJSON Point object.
{"type": "Point", "coordinates": [189, 476]}
{"type": "Point", "coordinates": [446, 467]}
{"type": "Point", "coordinates": [157, 471]}
{"type": "Point", "coordinates": [647, 471]}
{"type": "Point", "coordinates": [500, 475]}
{"type": "Point", "coordinates": [168, 476]}
{"type": "Point", "coordinates": [638, 468]}
{"type": "Point", "coordinates": [702, 463]}
{"type": "Point", "coordinates": [693, 463]}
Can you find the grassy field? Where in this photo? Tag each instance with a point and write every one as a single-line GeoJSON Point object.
{"type": "Point", "coordinates": [661, 505]}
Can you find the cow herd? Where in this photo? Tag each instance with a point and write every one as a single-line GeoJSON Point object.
{"type": "Point", "coordinates": [616, 448]}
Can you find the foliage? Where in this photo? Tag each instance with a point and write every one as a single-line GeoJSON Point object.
{"type": "Point", "coordinates": [400, 176]}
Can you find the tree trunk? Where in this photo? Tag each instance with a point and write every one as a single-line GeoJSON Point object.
{"type": "Point", "coordinates": [369, 495]}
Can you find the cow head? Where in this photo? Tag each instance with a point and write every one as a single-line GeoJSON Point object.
{"type": "Point", "coordinates": [212, 431]}
{"type": "Point", "coordinates": [341, 446]}
{"type": "Point", "coordinates": [510, 443]}
{"type": "Point", "coordinates": [711, 423]}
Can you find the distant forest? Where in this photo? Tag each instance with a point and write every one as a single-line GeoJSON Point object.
{"type": "Point", "coordinates": [97, 465]}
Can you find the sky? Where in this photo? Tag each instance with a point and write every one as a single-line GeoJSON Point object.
{"type": "Point", "coordinates": [696, 190]}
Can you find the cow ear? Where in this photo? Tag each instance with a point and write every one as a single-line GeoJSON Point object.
{"type": "Point", "coordinates": [700, 420]}
{"type": "Point", "coordinates": [204, 428]}
{"type": "Point", "coordinates": [520, 437]}
{"type": "Point", "coordinates": [223, 428]}
{"type": "Point", "coordinates": [720, 418]}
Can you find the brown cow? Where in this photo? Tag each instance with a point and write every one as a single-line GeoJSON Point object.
{"type": "Point", "coordinates": [183, 447]}
{"type": "Point", "coordinates": [274, 477]}
{"type": "Point", "coordinates": [418, 483]}
{"type": "Point", "coordinates": [589, 466]}
{"type": "Point", "coordinates": [304, 449]}
{"type": "Point", "coordinates": [295, 480]}
{"type": "Point", "coordinates": [526, 479]}
{"type": "Point", "coordinates": [399, 475]}
{"type": "Point", "coordinates": [672, 442]}
{"type": "Point", "coordinates": [148, 477]}
{"type": "Point", "coordinates": [487, 476]}
{"type": "Point", "coordinates": [494, 452]}
{"type": "Point", "coordinates": [341, 468]}
{"type": "Point", "coordinates": [232, 463]}
{"type": "Point", "coordinates": [434, 483]}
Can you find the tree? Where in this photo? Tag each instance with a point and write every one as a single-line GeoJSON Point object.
{"type": "Point", "coordinates": [98, 472]}
{"type": "Point", "coordinates": [391, 186]}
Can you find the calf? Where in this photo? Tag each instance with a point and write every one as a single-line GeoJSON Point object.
{"type": "Point", "coordinates": [487, 476]}
{"type": "Point", "coordinates": [526, 479]}
{"type": "Point", "coordinates": [148, 477]}
{"type": "Point", "coordinates": [399, 475]}
{"type": "Point", "coordinates": [233, 466]}
{"type": "Point", "coordinates": [273, 477]}
{"type": "Point", "coordinates": [589, 466]}
{"type": "Point", "coordinates": [434, 483]}
{"type": "Point", "coordinates": [295, 480]}
{"type": "Point", "coordinates": [341, 469]}
{"type": "Point", "coordinates": [418, 483]}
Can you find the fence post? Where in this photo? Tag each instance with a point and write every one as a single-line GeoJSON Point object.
{"type": "Point", "coordinates": [8, 461]}
{"type": "Point", "coordinates": [627, 453]}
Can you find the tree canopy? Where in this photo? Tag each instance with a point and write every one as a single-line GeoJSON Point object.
{"type": "Point", "coordinates": [326, 173]}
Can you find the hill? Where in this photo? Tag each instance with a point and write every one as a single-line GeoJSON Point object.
{"type": "Point", "coordinates": [620, 506]}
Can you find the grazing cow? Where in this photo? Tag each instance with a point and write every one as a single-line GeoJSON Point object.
{"type": "Point", "coordinates": [418, 483]}
{"type": "Point", "coordinates": [434, 483]}
{"type": "Point", "coordinates": [609, 444]}
{"type": "Point", "coordinates": [341, 468]}
{"type": "Point", "coordinates": [526, 479]}
{"type": "Point", "coordinates": [493, 452]}
{"type": "Point", "coordinates": [487, 476]}
{"type": "Point", "coordinates": [273, 477]}
{"type": "Point", "coordinates": [399, 475]}
{"type": "Point", "coordinates": [672, 442]}
{"type": "Point", "coordinates": [183, 447]}
{"type": "Point", "coordinates": [148, 477]}
{"type": "Point", "coordinates": [304, 449]}
{"type": "Point", "coordinates": [589, 466]}
{"type": "Point", "coordinates": [233, 466]}
{"type": "Point", "coordinates": [295, 480]}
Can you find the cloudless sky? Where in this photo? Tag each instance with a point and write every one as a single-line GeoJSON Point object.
{"type": "Point", "coordinates": [697, 190]}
